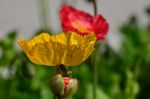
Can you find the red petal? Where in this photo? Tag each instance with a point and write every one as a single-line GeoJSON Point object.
{"type": "Point", "coordinates": [66, 82]}
{"type": "Point", "coordinates": [100, 27]}
{"type": "Point", "coordinates": [83, 23]}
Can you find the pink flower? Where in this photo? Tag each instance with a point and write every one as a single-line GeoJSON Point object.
{"type": "Point", "coordinates": [83, 23]}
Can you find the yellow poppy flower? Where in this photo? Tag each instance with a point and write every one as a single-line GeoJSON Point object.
{"type": "Point", "coordinates": [69, 49]}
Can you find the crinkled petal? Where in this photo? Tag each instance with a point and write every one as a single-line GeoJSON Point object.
{"type": "Point", "coordinates": [69, 49]}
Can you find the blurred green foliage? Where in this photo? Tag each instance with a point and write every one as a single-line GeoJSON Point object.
{"type": "Point", "coordinates": [122, 75]}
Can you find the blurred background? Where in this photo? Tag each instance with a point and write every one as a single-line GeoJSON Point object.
{"type": "Point", "coordinates": [124, 57]}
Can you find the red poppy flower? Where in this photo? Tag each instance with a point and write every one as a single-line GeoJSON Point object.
{"type": "Point", "coordinates": [83, 23]}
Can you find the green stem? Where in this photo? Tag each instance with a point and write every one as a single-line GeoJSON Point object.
{"type": "Point", "coordinates": [55, 97]}
{"type": "Point", "coordinates": [94, 79]}
{"type": "Point", "coordinates": [43, 14]}
{"type": "Point", "coordinates": [94, 60]}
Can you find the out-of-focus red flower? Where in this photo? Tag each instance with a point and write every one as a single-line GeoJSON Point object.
{"type": "Point", "coordinates": [83, 23]}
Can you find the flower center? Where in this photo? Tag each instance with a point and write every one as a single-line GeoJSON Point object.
{"type": "Point", "coordinates": [80, 27]}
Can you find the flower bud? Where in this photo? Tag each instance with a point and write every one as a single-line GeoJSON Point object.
{"type": "Point", "coordinates": [63, 86]}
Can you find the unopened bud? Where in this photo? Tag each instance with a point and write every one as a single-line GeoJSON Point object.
{"type": "Point", "coordinates": [63, 86]}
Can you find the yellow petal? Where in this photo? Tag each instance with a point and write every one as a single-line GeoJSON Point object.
{"type": "Point", "coordinates": [69, 49]}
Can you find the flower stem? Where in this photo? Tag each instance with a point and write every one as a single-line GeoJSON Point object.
{"type": "Point", "coordinates": [94, 78]}
{"type": "Point", "coordinates": [43, 14]}
{"type": "Point", "coordinates": [64, 98]}
{"type": "Point", "coordinates": [94, 58]}
{"type": "Point", "coordinates": [54, 97]}
{"type": "Point", "coordinates": [61, 69]}
{"type": "Point", "coordinates": [95, 7]}
{"type": "Point", "coordinates": [94, 62]}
